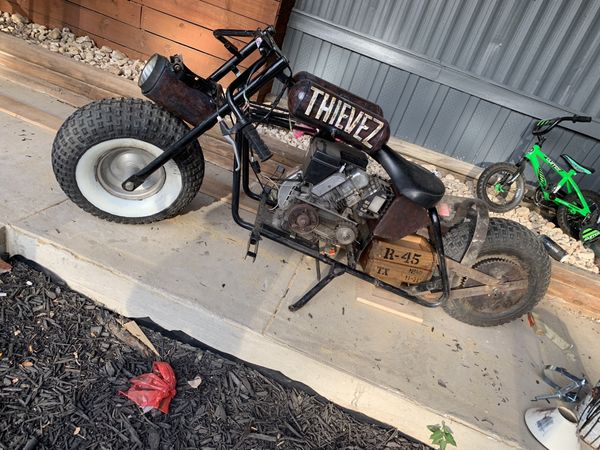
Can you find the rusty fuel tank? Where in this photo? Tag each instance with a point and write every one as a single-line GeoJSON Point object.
{"type": "Point", "coordinates": [339, 113]}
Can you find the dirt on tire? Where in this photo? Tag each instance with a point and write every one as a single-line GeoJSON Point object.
{"type": "Point", "coordinates": [510, 250]}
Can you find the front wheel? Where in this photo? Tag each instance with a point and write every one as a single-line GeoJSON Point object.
{"type": "Point", "coordinates": [510, 253]}
{"type": "Point", "coordinates": [100, 145]}
{"type": "Point", "coordinates": [494, 188]}
{"type": "Point", "coordinates": [570, 223]}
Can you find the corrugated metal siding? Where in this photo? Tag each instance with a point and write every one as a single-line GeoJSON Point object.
{"type": "Point", "coordinates": [435, 115]}
{"type": "Point", "coordinates": [544, 48]}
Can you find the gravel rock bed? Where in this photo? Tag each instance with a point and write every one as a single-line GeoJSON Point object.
{"type": "Point", "coordinates": [63, 359]}
{"type": "Point", "coordinates": [63, 41]}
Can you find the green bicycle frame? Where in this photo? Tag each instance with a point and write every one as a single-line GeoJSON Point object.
{"type": "Point", "coordinates": [566, 180]}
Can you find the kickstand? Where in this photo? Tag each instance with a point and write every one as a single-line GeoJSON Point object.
{"type": "Point", "coordinates": [334, 271]}
{"type": "Point", "coordinates": [254, 240]}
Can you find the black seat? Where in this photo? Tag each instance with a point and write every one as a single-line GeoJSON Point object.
{"type": "Point", "coordinates": [414, 182]}
{"type": "Point", "coordinates": [577, 167]}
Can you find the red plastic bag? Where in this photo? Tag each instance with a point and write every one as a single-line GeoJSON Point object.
{"type": "Point", "coordinates": [153, 390]}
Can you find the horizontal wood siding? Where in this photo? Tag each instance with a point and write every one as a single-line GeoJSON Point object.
{"type": "Point", "coordinates": [140, 28]}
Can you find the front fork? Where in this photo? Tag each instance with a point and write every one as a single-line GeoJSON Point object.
{"type": "Point", "coordinates": [520, 169]}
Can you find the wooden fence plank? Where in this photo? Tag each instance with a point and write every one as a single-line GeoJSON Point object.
{"type": "Point", "coordinates": [264, 11]}
{"type": "Point", "coordinates": [120, 24]}
{"type": "Point", "coordinates": [203, 13]}
{"type": "Point", "coordinates": [183, 32]}
{"type": "Point", "coordinates": [50, 22]}
{"type": "Point", "coordinates": [136, 43]}
{"type": "Point", "coordinates": [122, 10]}
{"type": "Point", "coordinates": [201, 63]}
{"type": "Point", "coordinates": [77, 17]}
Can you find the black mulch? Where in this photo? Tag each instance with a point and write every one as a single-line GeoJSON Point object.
{"type": "Point", "coordinates": [63, 359]}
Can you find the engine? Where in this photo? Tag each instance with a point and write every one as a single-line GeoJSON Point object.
{"type": "Point", "coordinates": [332, 196]}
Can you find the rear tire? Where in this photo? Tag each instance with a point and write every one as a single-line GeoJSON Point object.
{"type": "Point", "coordinates": [495, 200]}
{"type": "Point", "coordinates": [511, 252]}
{"type": "Point", "coordinates": [571, 223]}
{"type": "Point", "coordinates": [103, 143]}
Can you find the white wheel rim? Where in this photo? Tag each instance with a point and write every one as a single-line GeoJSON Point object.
{"type": "Point", "coordinates": [97, 170]}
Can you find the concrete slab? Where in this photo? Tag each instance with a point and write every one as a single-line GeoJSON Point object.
{"type": "Point", "coordinates": [197, 256]}
{"type": "Point", "coordinates": [27, 184]}
{"type": "Point", "coordinates": [485, 377]}
{"type": "Point", "coordinates": [188, 274]}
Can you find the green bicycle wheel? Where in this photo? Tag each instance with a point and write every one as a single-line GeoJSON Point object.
{"type": "Point", "coordinates": [571, 223]}
{"type": "Point", "coordinates": [496, 193]}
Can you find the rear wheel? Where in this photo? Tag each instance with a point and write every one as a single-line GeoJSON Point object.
{"type": "Point", "coordinates": [510, 253]}
{"type": "Point", "coordinates": [571, 223]}
{"type": "Point", "coordinates": [102, 144]}
{"type": "Point", "coordinates": [493, 187]}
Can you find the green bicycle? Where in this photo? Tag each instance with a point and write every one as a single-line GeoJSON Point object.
{"type": "Point", "coordinates": [502, 186]}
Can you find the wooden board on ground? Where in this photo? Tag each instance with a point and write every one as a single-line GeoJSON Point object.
{"type": "Point", "coordinates": [75, 76]}
{"type": "Point", "coordinates": [576, 287]}
{"type": "Point", "coordinates": [29, 114]}
{"type": "Point", "coordinates": [385, 301]}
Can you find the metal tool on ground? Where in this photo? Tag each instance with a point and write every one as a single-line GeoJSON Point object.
{"type": "Point", "coordinates": [567, 393]}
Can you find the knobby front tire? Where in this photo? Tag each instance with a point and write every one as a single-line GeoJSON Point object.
{"type": "Point", "coordinates": [106, 141]}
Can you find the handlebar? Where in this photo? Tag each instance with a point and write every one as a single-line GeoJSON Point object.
{"type": "Point", "coordinates": [222, 34]}
{"type": "Point", "coordinates": [257, 143]}
{"type": "Point", "coordinates": [544, 126]}
{"type": "Point", "coordinates": [262, 40]}
{"type": "Point", "coordinates": [581, 119]}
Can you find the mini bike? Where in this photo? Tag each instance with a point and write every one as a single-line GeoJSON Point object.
{"type": "Point", "coordinates": [502, 186]}
{"type": "Point", "coordinates": [135, 161]}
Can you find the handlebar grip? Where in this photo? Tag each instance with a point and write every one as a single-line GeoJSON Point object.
{"type": "Point", "coordinates": [581, 119]}
{"type": "Point", "coordinates": [257, 143]}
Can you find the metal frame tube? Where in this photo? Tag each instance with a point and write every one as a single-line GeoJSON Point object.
{"type": "Point", "coordinates": [139, 177]}
{"type": "Point", "coordinates": [284, 239]}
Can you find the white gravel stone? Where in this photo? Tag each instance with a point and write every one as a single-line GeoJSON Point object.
{"type": "Point", "coordinates": [55, 34]}
{"type": "Point", "coordinates": [77, 47]}
{"type": "Point", "coordinates": [18, 19]}
{"type": "Point", "coordinates": [118, 55]}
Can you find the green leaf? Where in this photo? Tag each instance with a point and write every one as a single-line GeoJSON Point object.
{"type": "Point", "coordinates": [450, 439]}
{"type": "Point", "coordinates": [433, 427]}
{"type": "Point", "coordinates": [446, 429]}
{"type": "Point", "coordinates": [437, 434]}
{"type": "Point", "coordinates": [437, 441]}
{"type": "Point", "coordinates": [443, 445]}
